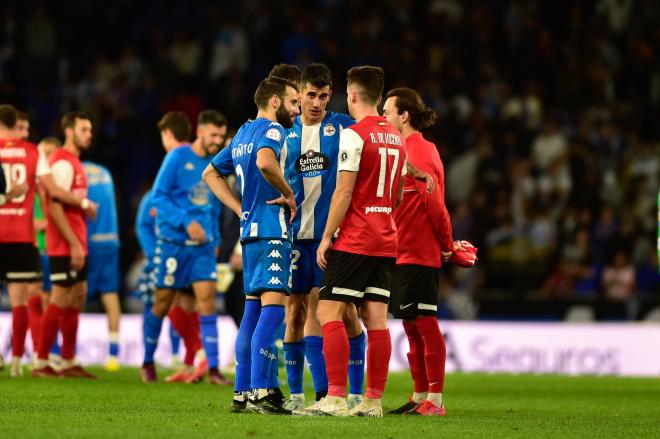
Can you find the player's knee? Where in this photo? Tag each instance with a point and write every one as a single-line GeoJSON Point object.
{"type": "Point", "coordinates": [297, 314]}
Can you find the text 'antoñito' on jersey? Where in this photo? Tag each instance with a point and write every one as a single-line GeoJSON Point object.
{"type": "Point", "coordinates": [377, 152]}
{"type": "Point", "coordinates": [311, 170]}
{"type": "Point", "coordinates": [259, 220]}
{"type": "Point", "coordinates": [104, 230]}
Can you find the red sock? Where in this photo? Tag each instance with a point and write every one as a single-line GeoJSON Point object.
{"type": "Point", "coordinates": [181, 322]}
{"type": "Point", "coordinates": [197, 328]}
{"type": "Point", "coordinates": [435, 352]}
{"type": "Point", "coordinates": [336, 351]}
{"type": "Point", "coordinates": [35, 313]}
{"type": "Point", "coordinates": [69, 328]}
{"type": "Point", "coordinates": [379, 350]}
{"type": "Point", "coordinates": [416, 357]}
{"type": "Point", "coordinates": [19, 329]}
{"type": "Point", "coordinates": [49, 324]}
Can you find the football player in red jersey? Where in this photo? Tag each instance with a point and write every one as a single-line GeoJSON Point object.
{"type": "Point", "coordinates": [66, 241]}
{"type": "Point", "coordinates": [19, 261]}
{"type": "Point", "coordinates": [422, 217]}
{"type": "Point", "coordinates": [372, 158]}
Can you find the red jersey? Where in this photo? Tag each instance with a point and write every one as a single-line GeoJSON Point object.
{"type": "Point", "coordinates": [21, 164]}
{"type": "Point", "coordinates": [422, 219]}
{"type": "Point", "coordinates": [69, 174]}
{"type": "Point", "coordinates": [377, 152]}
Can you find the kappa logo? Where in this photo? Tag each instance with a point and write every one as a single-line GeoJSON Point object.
{"type": "Point", "coordinates": [274, 267]}
{"type": "Point", "coordinates": [275, 242]}
{"type": "Point", "coordinates": [189, 167]}
{"type": "Point", "coordinates": [293, 135]}
{"type": "Point", "coordinates": [275, 254]}
{"type": "Point", "coordinates": [274, 281]}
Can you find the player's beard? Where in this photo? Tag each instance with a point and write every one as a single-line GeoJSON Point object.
{"type": "Point", "coordinates": [283, 117]}
{"type": "Point", "coordinates": [80, 144]}
{"type": "Point", "coordinates": [210, 148]}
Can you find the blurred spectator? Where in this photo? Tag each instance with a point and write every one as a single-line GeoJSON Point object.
{"type": "Point", "coordinates": [619, 278]}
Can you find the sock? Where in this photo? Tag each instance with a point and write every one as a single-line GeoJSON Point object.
{"type": "Point", "coordinates": [243, 345]}
{"type": "Point", "coordinates": [263, 341]}
{"type": "Point", "coordinates": [69, 328]}
{"type": "Point", "coordinates": [294, 358]}
{"type": "Point", "coordinates": [316, 362]}
{"type": "Point", "coordinates": [356, 364]}
{"type": "Point", "coordinates": [151, 332]}
{"type": "Point", "coordinates": [336, 351]}
{"type": "Point", "coordinates": [49, 325]}
{"type": "Point", "coordinates": [113, 347]}
{"type": "Point", "coordinates": [210, 339]}
{"type": "Point", "coordinates": [195, 321]}
{"type": "Point", "coordinates": [378, 362]}
{"type": "Point", "coordinates": [418, 397]}
{"type": "Point", "coordinates": [19, 326]}
{"type": "Point", "coordinates": [183, 325]}
{"type": "Point", "coordinates": [35, 313]}
{"type": "Point", "coordinates": [416, 358]}
{"type": "Point", "coordinates": [274, 372]}
{"type": "Point", "coordinates": [175, 341]}
{"type": "Point", "coordinates": [435, 352]}
{"type": "Point", "coordinates": [435, 398]}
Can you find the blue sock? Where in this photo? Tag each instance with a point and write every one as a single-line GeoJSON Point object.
{"type": "Point", "coordinates": [151, 333]}
{"type": "Point", "coordinates": [243, 345]}
{"type": "Point", "coordinates": [263, 342]}
{"type": "Point", "coordinates": [55, 348]}
{"type": "Point", "coordinates": [316, 362]}
{"type": "Point", "coordinates": [274, 373]}
{"type": "Point", "coordinates": [210, 338]}
{"type": "Point", "coordinates": [294, 357]}
{"type": "Point", "coordinates": [175, 341]}
{"type": "Point", "coordinates": [113, 345]}
{"type": "Point", "coordinates": [356, 364]}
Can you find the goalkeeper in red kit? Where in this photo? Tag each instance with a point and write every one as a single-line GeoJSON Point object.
{"type": "Point", "coordinates": [421, 218]}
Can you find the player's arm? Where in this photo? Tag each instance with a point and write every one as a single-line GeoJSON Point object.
{"type": "Point", "coordinates": [59, 219]}
{"type": "Point", "coordinates": [439, 215]}
{"type": "Point", "coordinates": [421, 176]}
{"type": "Point", "coordinates": [220, 188]}
{"type": "Point", "coordinates": [269, 167]}
{"type": "Point", "coordinates": [144, 224]}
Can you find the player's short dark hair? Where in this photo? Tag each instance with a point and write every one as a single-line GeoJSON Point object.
{"type": "Point", "coordinates": [286, 72]}
{"type": "Point", "coordinates": [318, 75]}
{"type": "Point", "coordinates": [409, 100]}
{"type": "Point", "coordinates": [212, 117]}
{"type": "Point", "coordinates": [69, 119]}
{"type": "Point", "coordinates": [8, 115]}
{"type": "Point", "coordinates": [270, 87]}
{"type": "Point", "coordinates": [371, 81]}
{"type": "Point", "coordinates": [22, 115]}
{"type": "Point", "coordinates": [178, 123]}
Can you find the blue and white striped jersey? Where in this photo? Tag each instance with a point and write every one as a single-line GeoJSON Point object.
{"type": "Point", "coordinates": [311, 170]}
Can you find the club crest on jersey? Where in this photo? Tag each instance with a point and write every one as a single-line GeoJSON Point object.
{"type": "Point", "coordinates": [329, 130]}
{"type": "Point", "coordinates": [274, 134]}
{"type": "Point", "coordinates": [312, 164]}
{"type": "Point", "coordinates": [189, 167]}
{"type": "Point", "coordinates": [199, 194]}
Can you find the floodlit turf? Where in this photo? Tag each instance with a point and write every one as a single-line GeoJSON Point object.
{"type": "Point", "coordinates": [120, 406]}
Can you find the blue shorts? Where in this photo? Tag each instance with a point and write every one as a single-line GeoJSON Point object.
{"type": "Point", "coordinates": [266, 266]}
{"type": "Point", "coordinates": [178, 266]}
{"type": "Point", "coordinates": [306, 273]}
{"type": "Point", "coordinates": [46, 284]}
{"type": "Point", "coordinates": [102, 271]}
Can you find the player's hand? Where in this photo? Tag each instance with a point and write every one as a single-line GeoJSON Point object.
{"type": "Point", "coordinates": [91, 210]}
{"type": "Point", "coordinates": [430, 183]}
{"type": "Point", "coordinates": [40, 225]}
{"type": "Point", "coordinates": [196, 232]}
{"type": "Point", "coordinates": [152, 212]}
{"type": "Point", "coordinates": [446, 256]}
{"type": "Point", "coordinates": [77, 257]}
{"type": "Point", "coordinates": [289, 202]}
{"type": "Point", "coordinates": [17, 190]}
{"type": "Point", "coordinates": [324, 246]}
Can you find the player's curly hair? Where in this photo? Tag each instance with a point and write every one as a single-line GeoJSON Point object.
{"type": "Point", "coordinates": [270, 87]}
{"type": "Point", "coordinates": [370, 80]}
{"type": "Point", "coordinates": [409, 100]}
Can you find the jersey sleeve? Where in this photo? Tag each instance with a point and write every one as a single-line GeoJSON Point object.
{"type": "Point", "coordinates": [43, 168]}
{"type": "Point", "coordinates": [345, 120]}
{"type": "Point", "coordinates": [62, 171]}
{"type": "Point", "coordinates": [273, 138]}
{"type": "Point", "coordinates": [350, 150]}
{"type": "Point", "coordinates": [222, 162]}
{"type": "Point", "coordinates": [437, 209]}
{"type": "Point", "coordinates": [168, 210]}
{"type": "Point", "coordinates": [144, 225]}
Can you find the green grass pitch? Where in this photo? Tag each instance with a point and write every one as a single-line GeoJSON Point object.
{"type": "Point", "coordinates": [511, 406]}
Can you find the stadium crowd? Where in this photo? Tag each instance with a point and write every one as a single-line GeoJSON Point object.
{"type": "Point", "coordinates": [547, 111]}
